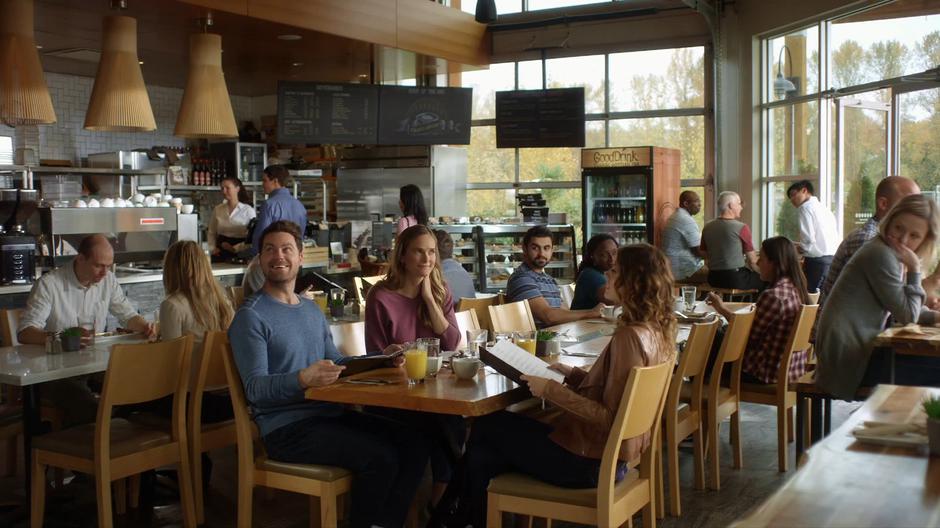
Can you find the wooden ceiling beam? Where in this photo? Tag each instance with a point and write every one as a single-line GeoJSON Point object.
{"type": "Point", "coordinates": [424, 27]}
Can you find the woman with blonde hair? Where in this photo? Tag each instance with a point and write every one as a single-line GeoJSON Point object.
{"type": "Point", "coordinates": [412, 301]}
{"type": "Point", "coordinates": [882, 279]}
{"type": "Point", "coordinates": [194, 302]}
{"type": "Point", "coordinates": [566, 448]}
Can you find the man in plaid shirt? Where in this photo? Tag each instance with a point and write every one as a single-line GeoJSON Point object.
{"type": "Point", "coordinates": [890, 190]}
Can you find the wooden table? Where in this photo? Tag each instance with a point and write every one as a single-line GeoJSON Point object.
{"type": "Point", "coordinates": [852, 484]}
{"type": "Point", "coordinates": [898, 341]}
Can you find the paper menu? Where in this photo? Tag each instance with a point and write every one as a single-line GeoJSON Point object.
{"type": "Point", "coordinates": [522, 361]}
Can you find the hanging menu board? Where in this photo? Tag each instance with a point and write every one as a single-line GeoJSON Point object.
{"type": "Point", "coordinates": [327, 113]}
{"type": "Point", "coordinates": [424, 116]}
{"type": "Point", "coordinates": [540, 118]}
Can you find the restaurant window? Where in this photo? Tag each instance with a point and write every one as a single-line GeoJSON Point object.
{"type": "Point", "coordinates": [876, 115]}
{"type": "Point", "coordinates": [657, 98]}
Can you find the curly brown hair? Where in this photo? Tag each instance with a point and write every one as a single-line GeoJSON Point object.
{"type": "Point", "coordinates": [644, 282]}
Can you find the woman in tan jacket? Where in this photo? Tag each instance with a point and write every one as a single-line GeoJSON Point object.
{"type": "Point", "coordinates": [565, 449]}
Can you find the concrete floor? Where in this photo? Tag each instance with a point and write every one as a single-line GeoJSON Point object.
{"type": "Point", "coordinates": [741, 490]}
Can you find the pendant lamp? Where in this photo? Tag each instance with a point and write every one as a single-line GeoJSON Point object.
{"type": "Point", "coordinates": [24, 97]}
{"type": "Point", "coordinates": [119, 100]}
{"type": "Point", "coordinates": [206, 109]}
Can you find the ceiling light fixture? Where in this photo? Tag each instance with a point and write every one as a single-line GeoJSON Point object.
{"type": "Point", "coordinates": [486, 11]}
{"type": "Point", "coordinates": [24, 96]}
{"type": "Point", "coordinates": [206, 109]}
{"type": "Point", "coordinates": [119, 100]}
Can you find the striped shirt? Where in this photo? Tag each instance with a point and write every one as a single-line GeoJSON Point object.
{"type": "Point", "coordinates": [777, 309]}
{"type": "Point", "coordinates": [525, 283]}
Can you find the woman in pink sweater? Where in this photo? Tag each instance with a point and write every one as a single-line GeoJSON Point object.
{"type": "Point", "coordinates": [412, 301]}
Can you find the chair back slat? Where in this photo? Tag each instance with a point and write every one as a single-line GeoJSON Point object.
{"type": "Point", "coordinates": [567, 294]}
{"type": "Point", "coordinates": [651, 384]}
{"type": "Point", "coordinates": [814, 297]}
{"type": "Point", "coordinates": [739, 330]}
{"type": "Point", "coordinates": [9, 322]}
{"type": "Point", "coordinates": [237, 295]}
{"type": "Point", "coordinates": [350, 338]}
{"type": "Point", "coordinates": [512, 317]}
{"type": "Point", "coordinates": [697, 349]}
{"type": "Point", "coordinates": [146, 372]}
{"type": "Point", "coordinates": [243, 423]}
{"type": "Point", "coordinates": [466, 320]}
{"type": "Point", "coordinates": [210, 372]}
{"type": "Point", "coordinates": [799, 338]}
{"type": "Point", "coordinates": [480, 305]}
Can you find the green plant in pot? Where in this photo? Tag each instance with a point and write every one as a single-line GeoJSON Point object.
{"type": "Point", "coordinates": [932, 410]}
{"type": "Point", "coordinates": [545, 344]}
{"type": "Point", "coordinates": [71, 339]}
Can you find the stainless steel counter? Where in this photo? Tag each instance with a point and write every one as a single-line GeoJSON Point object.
{"type": "Point", "coordinates": [218, 270]}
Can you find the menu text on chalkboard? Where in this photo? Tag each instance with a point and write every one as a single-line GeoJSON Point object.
{"type": "Point", "coordinates": [424, 115]}
{"type": "Point", "coordinates": [540, 118]}
{"type": "Point", "coordinates": [327, 113]}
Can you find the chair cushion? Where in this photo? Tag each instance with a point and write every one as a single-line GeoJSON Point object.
{"type": "Point", "coordinates": [311, 471]}
{"type": "Point", "coordinates": [519, 485]}
{"type": "Point", "coordinates": [126, 438]}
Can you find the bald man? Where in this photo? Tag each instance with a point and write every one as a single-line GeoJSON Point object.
{"type": "Point", "coordinates": [681, 240]}
{"type": "Point", "coordinates": [889, 192]}
{"type": "Point", "coordinates": [83, 290]}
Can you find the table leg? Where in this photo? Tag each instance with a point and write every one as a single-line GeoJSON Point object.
{"type": "Point", "coordinates": [828, 424]}
{"type": "Point", "coordinates": [31, 427]}
{"type": "Point", "coordinates": [800, 416]}
{"type": "Point", "coordinates": [816, 420]}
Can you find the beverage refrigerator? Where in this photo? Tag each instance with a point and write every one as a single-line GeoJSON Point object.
{"type": "Point", "coordinates": [629, 192]}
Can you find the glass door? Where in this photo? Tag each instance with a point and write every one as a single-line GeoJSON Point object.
{"type": "Point", "coordinates": [862, 154]}
{"type": "Point", "coordinates": [616, 204]}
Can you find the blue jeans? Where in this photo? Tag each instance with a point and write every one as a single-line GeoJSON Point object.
{"type": "Point", "coordinates": [387, 460]}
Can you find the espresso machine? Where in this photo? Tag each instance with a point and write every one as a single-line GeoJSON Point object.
{"type": "Point", "coordinates": [17, 245]}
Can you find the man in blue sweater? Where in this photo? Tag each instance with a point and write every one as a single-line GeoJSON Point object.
{"type": "Point", "coordinates": [280, 205]}
{"type": "Point", "coordinates": [282, 346]}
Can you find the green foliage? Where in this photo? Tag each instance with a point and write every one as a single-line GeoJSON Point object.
{"type": "Point", "coordinates": [545, 335]}
{"type": "Point", "coordinates": [867, 190]}
{"type": "Point", "coordinates": [72, 332]}
{"type": "Point", "coordinates": [932, 407]}
{"type": "Point", "coordinates": [788, 220]}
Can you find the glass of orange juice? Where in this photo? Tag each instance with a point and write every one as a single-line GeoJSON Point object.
{"type": "Point", "coordinates": [320, 298]}
{"type": "Point", "coordinates": [526, 341]}
{"type": "Point", "coordinates": [416, 362]}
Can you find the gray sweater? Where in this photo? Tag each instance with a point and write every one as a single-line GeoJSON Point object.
{"type": "Point", "coordinates": [871, 287]}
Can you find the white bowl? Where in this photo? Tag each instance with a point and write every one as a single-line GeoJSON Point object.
{"type": "Point", "coordinates": [119, 202]}
{"type": "Point", "coordinates": [79, 204]}
{"type": "Point", "coordinates": [167, 197]}
{"type": "Point", "coordinates": [150, 201]}
{"type": "Point", "coordinates": [107, 202]}
{"type": "Point", "coordinates": [175, 201]}
{"type": "Point", "coordinates": [139, 198]}
{"type": "Point", "coordinates": [187, 208]}
{"type": "Point", "coordinates": [163, 204]}
{"type": "Point", "coordinates": [94, 203]}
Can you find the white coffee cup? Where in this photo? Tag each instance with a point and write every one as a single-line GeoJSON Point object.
{"type": "Point", "coordinates": [465, 367]}
{"type": "Point", "coordinates": [187, 208]}
{"type": "Point", "coordinates": [607, 312]}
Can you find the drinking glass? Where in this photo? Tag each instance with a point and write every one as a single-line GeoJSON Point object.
{"type": "Point", "coordinates": [476, 339]}
{"type": "Point", "coordinates": [526, 341]}
{"type": "Point", "coordinates": [433, 347]}
{"type": "Point", "coordinates": [416, 362]}
{"type": "Point", "coordinates": [322, 301]}
{"type": "Point", "coordinates": [88, 328]}
{"type": "Point", "coordinates": [688, 298]}
{"type": "Point", "coordinates": [337, 301]}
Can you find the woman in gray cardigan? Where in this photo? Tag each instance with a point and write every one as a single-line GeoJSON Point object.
{"type": "Point", "coordinates": [882, 279]}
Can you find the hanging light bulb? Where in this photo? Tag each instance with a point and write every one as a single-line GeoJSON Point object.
{"type": "Point", "coordinates": [206, 109]}
{"type": "Point", "coordinates": [24, 97]}
{"type": "Point", "coordinates": [119, 100]}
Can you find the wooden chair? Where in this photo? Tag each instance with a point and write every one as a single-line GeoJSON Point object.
{"type": "Point", "coordinates": [567, 294]}
{"type": "Point", "coordinates": [363, 284]}
{"type": "Point", "coordinates": [325, 483]}
{"type": "Point", "coordinates": [237, 294]}
{"type": "Point", "coordinates": [481, 306]}
{"type": "Point", "coordinates": [684, 419]}
{"type": "Point", "coordinates": [113, 449]}
{"type": "Point", "coordinates": [611, 503]}
{"type": "Point", "coordinates": [781, 394]}
{"type": "Point", "coordinates": [350, 338]}
{"type": "Point", "coordinates": [466, 320]}
{"type": "Point", "coordinates": [724, 402]}
{"type": "Point", "coordinates": [512, 317]}
{"type": "Point", "coordinates": [203, 438]}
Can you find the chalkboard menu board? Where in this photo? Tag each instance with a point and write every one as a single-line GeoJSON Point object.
{"type": "Point", "coordinates": [540, 118]}
{"type": "Point", "coordinates": [424, 116]}
{"type": "Point", "coordinates": [327, 113]}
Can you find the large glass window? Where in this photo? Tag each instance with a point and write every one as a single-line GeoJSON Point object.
{"type": "Point", "coordinates": [485, 84]}
{"type": "Point", "coordinates": [573, 72]}
{"type": "Point", "coordinates": [6, 150]}
{"type": "Point", "coordinates": [657, 79]}
{"type": "Point", "coordinates": [848, 138]}
{"type": "Point", "coordinates": [686, 133]}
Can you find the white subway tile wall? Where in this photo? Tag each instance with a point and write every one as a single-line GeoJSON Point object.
{"type": "Point", "coordinates": [67, 139]}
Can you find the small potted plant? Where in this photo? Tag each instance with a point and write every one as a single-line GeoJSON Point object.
{"type": "Point", "coordinates": [545, 343]}
{"type": "Point", "coordinates": [71, 339]}
{"type": "Point", "coordinates": [932, 410]}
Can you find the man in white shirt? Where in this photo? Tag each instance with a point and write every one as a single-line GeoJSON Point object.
{"type": "Point", "coordinates": [819, 237]}
{"type": "Point", "coordinates": [82, 291]}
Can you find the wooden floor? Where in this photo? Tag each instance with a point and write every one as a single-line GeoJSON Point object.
{"type": "Point", "coordinates": [74, 506]}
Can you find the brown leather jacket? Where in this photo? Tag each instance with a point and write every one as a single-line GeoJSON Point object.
{"type": "Point", "coordinates": [589, 400]}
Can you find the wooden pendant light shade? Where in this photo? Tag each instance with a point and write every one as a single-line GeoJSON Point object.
{"type": "Point", "coordinates": [206, 110]}
{"type": "Point", "coordinates": [24, 97]}
{"type": "Point", "coordinates": [119, 100]}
